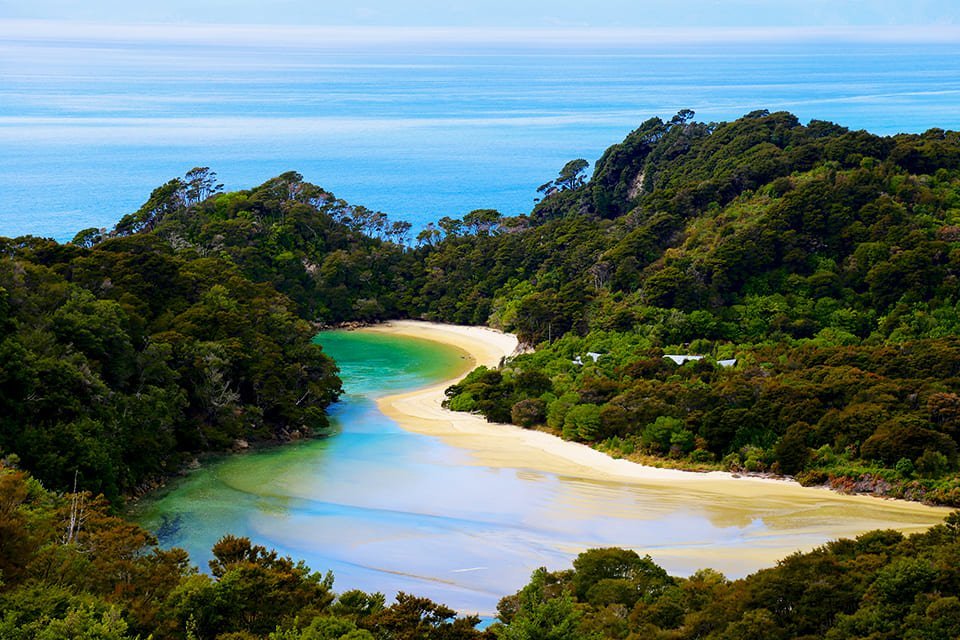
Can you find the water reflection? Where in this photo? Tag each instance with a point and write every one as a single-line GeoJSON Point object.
{"type": "Point", "coordinates": [390, 510]}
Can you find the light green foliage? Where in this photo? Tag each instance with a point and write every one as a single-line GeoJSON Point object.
{"type": "Point", "coordinates": [324, 628]}
{"type": "Point", "coordinates": [582, 423]}
{"type": "Point", "coordinates": [462, 402]}
{"type": "Point", "coordinates": [541, 615]}
{"type": "Point", "coordinates": [661, 433]}
{"type": "Point", "coordinates": [75, 624]}
{"type": "Point", "coordinates": [558, 409]}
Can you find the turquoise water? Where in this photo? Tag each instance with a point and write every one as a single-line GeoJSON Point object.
{"type": "Point", "coordinates": [390, 510]}
{"type": "Point", "coordinates": [88, 128]}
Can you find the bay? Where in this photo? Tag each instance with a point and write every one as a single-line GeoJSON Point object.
{"type": "Point", "coordinates": [390, 510]}
{"type": "Point", "coordinates": [88, 127]}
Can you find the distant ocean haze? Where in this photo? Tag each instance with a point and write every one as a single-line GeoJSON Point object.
{"type": "Point", "coordinates": [89, 128]}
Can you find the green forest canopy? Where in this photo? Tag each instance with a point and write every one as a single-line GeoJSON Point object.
{"type": "Point", "coordinates": [824, 261]}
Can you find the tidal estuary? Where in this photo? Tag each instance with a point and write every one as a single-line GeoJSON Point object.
{"type": "Point", "coordinates": [388, 509]}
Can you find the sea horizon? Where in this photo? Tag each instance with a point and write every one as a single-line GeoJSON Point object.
{"type": "Point", "coordinates": [426, 123]}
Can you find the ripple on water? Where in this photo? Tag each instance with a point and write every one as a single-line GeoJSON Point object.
{"type": "Point", "coordinates": [390, 510]}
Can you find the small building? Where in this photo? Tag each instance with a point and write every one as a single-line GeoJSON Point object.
{"type": "Point", "coordinates": [679, 360]}
{"type": "Point", "coordinates": [593, 355]}
{"type": "Point", "coordinates": [727, 363]}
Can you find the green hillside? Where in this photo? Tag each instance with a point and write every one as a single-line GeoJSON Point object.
{"type": "Point", "coordinates": [804, 279]}
{"type": "Point", "coordinates": [823, 261]}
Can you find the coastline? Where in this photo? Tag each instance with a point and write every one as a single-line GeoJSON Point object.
{"type": "Point", "coordinates": [509, 446]}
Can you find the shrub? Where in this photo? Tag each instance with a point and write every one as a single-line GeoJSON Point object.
{"type": "Point", "coordinates": [528, 413]}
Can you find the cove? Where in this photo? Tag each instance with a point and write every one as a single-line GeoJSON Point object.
{"type": "Point", "coordinates": [388, 509]}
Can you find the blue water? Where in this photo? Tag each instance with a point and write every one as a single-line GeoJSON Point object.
{"type": "Point", "coordinates": [391, 510]}
{"type": "Point", "coordinates": [88, 128]}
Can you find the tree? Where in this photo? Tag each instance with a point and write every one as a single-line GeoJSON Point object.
{"type": "Point", "coordinates": [791, 450]}
{"type": "Point", "coordinates": [529, 412]}
{"type": "Point", "coordinates": [595, 565]}
{"type": "Point", "coordinates": [683, 117]}
{"type": "Point", "coordinates": [88, 238]}
{"type": "Point", "coordinates": [399, 232]}
{"type": "Point", "coordinates": [582, 422]}
{"type": "Point", "coordinates": [572, 175]}
{"type": "Point", "coordinates": [482, 221]}
{"type": "Point", "coordinates": [540, 615]}
{"type": "Point", "coordinates": [416, 618]}
{"type": "Point", "coordinates": [199, 184]}
{"type": "Point", "coordinates": [659, 434]}
{"type": "Point", "coordinates": [451, 227]}
{"type": "Point", "coordinates": [162, 202]}
{"type": "Point", "coordinates": [256, 589]}
{"type": "Point", "coordinates": [429, 235]}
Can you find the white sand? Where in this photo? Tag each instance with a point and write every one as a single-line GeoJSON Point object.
{"type": "Point", "coordinates": [508, 446]}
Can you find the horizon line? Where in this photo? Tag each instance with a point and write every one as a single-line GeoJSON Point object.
{"type": "Point", "coordinates": [327, 35]}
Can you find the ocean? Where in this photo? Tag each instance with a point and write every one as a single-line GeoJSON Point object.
{"type": "Point", "coordinates": [90, 125]}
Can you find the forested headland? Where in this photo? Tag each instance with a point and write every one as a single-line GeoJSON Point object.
{"type": "Point", "coordinates": [804, 277]}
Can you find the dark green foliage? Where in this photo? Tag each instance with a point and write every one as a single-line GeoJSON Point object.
{"type": "Point", "coordinates": [826, 261]}
{"type": "Point", "coordinates": [119, 361]}
{"type": "Point", "coordinates": [880, 585]}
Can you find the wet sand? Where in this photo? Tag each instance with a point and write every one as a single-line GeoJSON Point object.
{"type": "Point", "coordinates": [733, 497]}
{"type": "Point", "coordinates": [465, 514]}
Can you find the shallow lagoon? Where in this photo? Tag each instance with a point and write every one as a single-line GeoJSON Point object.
{"type": "Point", "coordinates": [390, 510]}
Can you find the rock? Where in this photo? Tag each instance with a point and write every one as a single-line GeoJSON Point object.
{"type": "Point", "coordinates": [240, 444]}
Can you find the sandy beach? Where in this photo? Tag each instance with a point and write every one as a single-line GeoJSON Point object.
{"type": "Point", "coordinates": [508, 446]}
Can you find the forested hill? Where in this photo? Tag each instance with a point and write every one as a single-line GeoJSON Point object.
{"type": "Point", "coordinates": [121, 362]}
{"type": "Point", "coordinates": [821, 263]}
{"type": "Point", "coordinates": [823, 260]}
{"type": "Point", "coordinates": [847, 228]}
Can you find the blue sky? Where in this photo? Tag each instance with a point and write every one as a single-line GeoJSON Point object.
{"type": "Point", "coordinates": [499, 13]}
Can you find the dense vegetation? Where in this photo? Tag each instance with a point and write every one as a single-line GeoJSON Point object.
{"type": "Point", "coordinates": [824, 261]}
{"type": "Point", "coordinates": [819, 264]}
{"type": "Point", "coordinates": [119, 363]}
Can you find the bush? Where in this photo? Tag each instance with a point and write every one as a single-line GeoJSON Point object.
{"type": "Point", "coordinates": [731, 462]}
{"type": "Point", "coordinates": [463, 402]}
{"type": "Point", "coordinates": [812, 478]}
{"type": "Point", "coordinates": [658, 435]}
{"type": "Point", "coordinates": [932, 464]}
{"type": "Point", "coordinates": [582, 422]}
{"type": "Point", "coordinates": [905, 468]}
{"type": "Point", "coordinates": [528, 413]}
{"type": "Point", "coordinates": [701, 455]}
{"type": "Point", "coordinates": [557, 410]}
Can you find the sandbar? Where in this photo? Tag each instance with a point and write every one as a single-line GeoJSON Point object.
{"type": "Point", "coordinates": [509, 446]}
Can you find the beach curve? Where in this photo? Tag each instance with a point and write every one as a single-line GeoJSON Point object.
{"type": "Point", "coordinates": [508, 446]}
